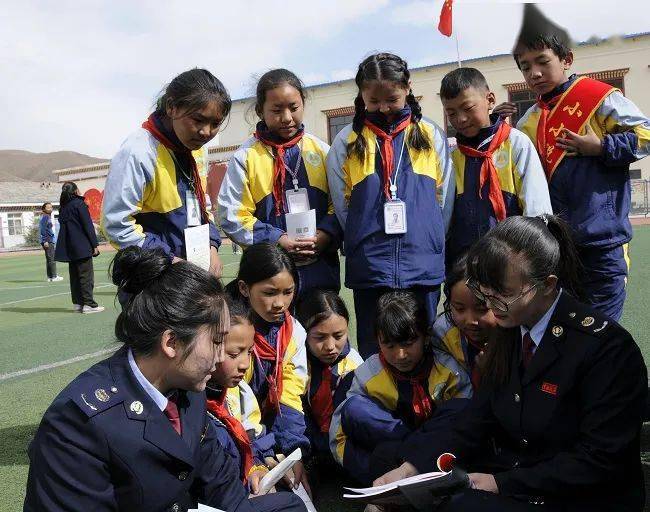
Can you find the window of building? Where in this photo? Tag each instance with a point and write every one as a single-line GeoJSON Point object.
{"type": "Point", "coordinates": [635, 174]}
{"type": "Point", "coordinates": [336, 123]}
{"type": "Point", "coordinates": [15, 223]}
{"type": "Point", "coordinates": [524, 98]}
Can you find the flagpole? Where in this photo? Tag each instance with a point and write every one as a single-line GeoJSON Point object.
{"type": "Point", "coordinates": [457, 49]}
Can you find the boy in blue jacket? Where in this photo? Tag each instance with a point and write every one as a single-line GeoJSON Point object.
{"type": "Point", "coordinates": [587, 134]}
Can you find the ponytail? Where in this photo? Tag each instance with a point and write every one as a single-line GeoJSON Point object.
{"type": "Point", "coordinates": [570, 269]}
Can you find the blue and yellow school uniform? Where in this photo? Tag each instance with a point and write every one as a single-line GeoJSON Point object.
{"type": "Point", "coordinates": [145, 194]}
{"type": "Point", "coordinates": [247, 210]}
{"type": "Point", "coordinates": [242, 405]}
{"type": "Point", "coordinates": [593, 194]}
{"type": "Point", "coordinates": [449, 338]}
{"type": "Point", "coordinates": [379, 408]}
{"type": "Point", "coordinates": [521, 176]}
{"type": "Point", "coordinates": [348, 361]}
{"type": "Point", "coordinates": [375, 261]}
{"type": "Point", "coordinates": [288, 426]}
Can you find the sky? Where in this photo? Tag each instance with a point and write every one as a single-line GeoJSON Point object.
{"type": "Point", "coordinates": [82, 75]}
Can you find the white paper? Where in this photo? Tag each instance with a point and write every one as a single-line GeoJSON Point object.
{"type": "Point", "coordinates": [205, 508]}
{"type": "Point", "coordinates": [301, 225]}
{"type": "Point", "coordinates": [274, 476]}
{"type": "Point", "coordinates": [197, 245]}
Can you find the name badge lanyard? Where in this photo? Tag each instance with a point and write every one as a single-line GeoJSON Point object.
{"type": "Point", "coordinates": [293, 172]}
{"type": "Point", "coordinates": [393, 180]}
{"type": "Point", "coordinates": [188, 177]}
{"type": "Point", "coordinates": [192, 204]}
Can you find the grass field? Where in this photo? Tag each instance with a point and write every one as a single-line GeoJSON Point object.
{"type": "Point", "coordinates": [38, 328]}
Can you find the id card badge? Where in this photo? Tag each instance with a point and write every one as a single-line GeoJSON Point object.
{"type": "Point", "coordinates": [297, 200]}
{"type": "Point", "coordinates": [193, 209]}
{"type": "Point", "coordinates": [394, 217]}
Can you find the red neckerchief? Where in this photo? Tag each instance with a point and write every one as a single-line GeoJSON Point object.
{"type": "Point", "coordinates": [322, 404]}
{"type": "Point", "coordinates": [422, 403]}
{"type": "Point", "coordinates": [387, 153]}
{"type": "Point", "coordinates": [236, 431]}
{"type": "Point", "coordinates": [265, 352]}
{"type": "Point", "coordinates": [489, 170]}
{"type": "Point", "coordinates": [150, 126]}
{"type": "Point", "coordinates": [279, 171]}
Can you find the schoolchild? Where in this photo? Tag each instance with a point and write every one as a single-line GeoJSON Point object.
{"type": "Point", "coordinates": [330, 357]}
{"type": "Point", "coordinates": [391, 181]}
{"type": "Point", "coordinates": [467, 324]}
{"type": "Point", "coordinates": [587, 134]}
{"type": "Point", "coordinates": [233, 405]}
{"type": "Point", "coordinates": [395, 392]}
{"type": "Point", "coordinates": [497, 170]}
{"type": "Point", "coordinates": [281, 170]}
{"type": "Point", "coordinates": [156, 184]}
{"type": "Point", "coordinates": [278, 370]}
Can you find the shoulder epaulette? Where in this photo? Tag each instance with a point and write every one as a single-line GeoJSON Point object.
{"type": "Point", "coordinates": [94, 399]}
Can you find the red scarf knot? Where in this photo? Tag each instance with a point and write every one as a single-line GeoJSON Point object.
{"type": "Point", "coordinates": [322, 404]}
{"type": "Point", "coordinates": [264, 351]}
{"type": "Point", "coordinates": [489, 171]}
{"type": "Point", "coordinates": [279, 169]}
{"type": "Point", "coordinates": [387, 153]}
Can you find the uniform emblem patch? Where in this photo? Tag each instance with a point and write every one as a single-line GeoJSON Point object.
{"type": "Point", "coordinates": [588, 321]}
{"type": "Point", "coordinates": [557, 331]}
{"type": "Point", "coordinates": [102, 395]}
{"type": "Point", "coordinates": [313, 158]}
{"type": "Point", "coordinates": [137, 407]}
{"type": "Point", "coordinates": [549, 388]}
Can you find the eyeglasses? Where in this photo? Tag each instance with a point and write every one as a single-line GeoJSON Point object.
{"type": "Point", "coordinates": [494, 302]}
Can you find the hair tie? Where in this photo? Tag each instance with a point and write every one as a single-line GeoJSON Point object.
{"type": "Point", "coordinates": [544, 218]}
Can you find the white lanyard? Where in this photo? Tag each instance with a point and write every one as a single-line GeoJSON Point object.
{"type": "Point", "coordinates": [294, 171]}
{"type": "Point", "coordinates": [393, 181]}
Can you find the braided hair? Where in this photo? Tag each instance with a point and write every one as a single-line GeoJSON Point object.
{"type": "Point", "coordinates": [390, 68]}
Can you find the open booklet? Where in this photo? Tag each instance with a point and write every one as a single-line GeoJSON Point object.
{"type": "Point", "coordinates": [420, 491]}
{"type": "Point", "coordinates": [204, 508]}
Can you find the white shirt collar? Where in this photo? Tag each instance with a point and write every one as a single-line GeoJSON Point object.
{"type": "Point", "coordinates": [537, 331]}
{"type": "Point", "coordinates": [159, 399]}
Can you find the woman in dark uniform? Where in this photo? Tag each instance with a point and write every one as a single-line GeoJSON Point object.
{"type": "Point", "coordinates": [131, 433]}
{"type": "Point", "coordinates": [557, 425]}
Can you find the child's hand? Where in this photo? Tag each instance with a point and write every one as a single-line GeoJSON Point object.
{"type": "Point", "coordinates": [505, 109]}
{"type": "Point", "coordinates": [580, 145]}
{"type": "Point", "coordinates": [298, 248]}
{"type": "Point", "coordinates": [255, 478]}
{"type": "Point", "coordinates": [216, 266]}
{"type": "Point", "coordinates": [483, 482]}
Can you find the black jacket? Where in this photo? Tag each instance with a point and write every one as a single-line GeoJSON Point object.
{"type": "Point", "coordinates": [566, 429]}
{"type": "Point", "coordinates": [77, 238]}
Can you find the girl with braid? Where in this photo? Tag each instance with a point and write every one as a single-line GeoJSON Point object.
{"type": "Point", "coordinates": [392, 185]}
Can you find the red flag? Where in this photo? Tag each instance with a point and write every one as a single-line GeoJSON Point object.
{"type": "Point", "coordinates": [445, 18]}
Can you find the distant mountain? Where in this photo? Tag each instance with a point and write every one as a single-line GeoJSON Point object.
{"type": "Point", "coordinates": [17, 165]}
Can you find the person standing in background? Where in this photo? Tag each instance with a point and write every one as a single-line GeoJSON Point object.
{"type": "Point", "coordinates": [77, 246]}
{"type": "Point", "coordinates": [48, 241]}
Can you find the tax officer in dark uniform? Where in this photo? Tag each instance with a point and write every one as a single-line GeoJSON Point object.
{"type": "Point", "coordinates": [131, 433]}
{"type": "Point", "coordinates": [555, 425]}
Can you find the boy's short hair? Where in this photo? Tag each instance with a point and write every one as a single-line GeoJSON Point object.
{"type": "Point", "coordinates": [556, 44]}
{"type": "Point", "coordinates": [456, 81]}
{"type": "Point", "coordinates": [44, 205]}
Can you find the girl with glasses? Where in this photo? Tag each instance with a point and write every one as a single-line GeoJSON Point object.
{"type": "Point", "coordinates": [557, 421]}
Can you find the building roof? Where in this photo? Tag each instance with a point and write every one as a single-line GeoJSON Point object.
{"type": "Point", "coordinates": [589, 42]}
{"type": "Point", "coordinates": [29, 193]}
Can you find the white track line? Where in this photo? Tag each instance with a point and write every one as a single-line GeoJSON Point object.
{"type": "Point", "coordinates": [46, 296]}
{"type": "Point", "coordinates": [11, 288]}
{"type": "Point", "coordinates": [43, 367]}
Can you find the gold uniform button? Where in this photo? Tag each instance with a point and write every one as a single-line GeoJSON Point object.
{"type": "Point", "coordinates": [183, 475]}
{"type": "Point", "coordinates": [517, 398]}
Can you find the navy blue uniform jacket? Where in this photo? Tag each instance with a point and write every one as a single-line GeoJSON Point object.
{"type": "Point", "coordinates": [565, 431]}
{"type": "Point", "coordinates": [103, 445]}
{"type": "Point", "coordinates": [77, 237]}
